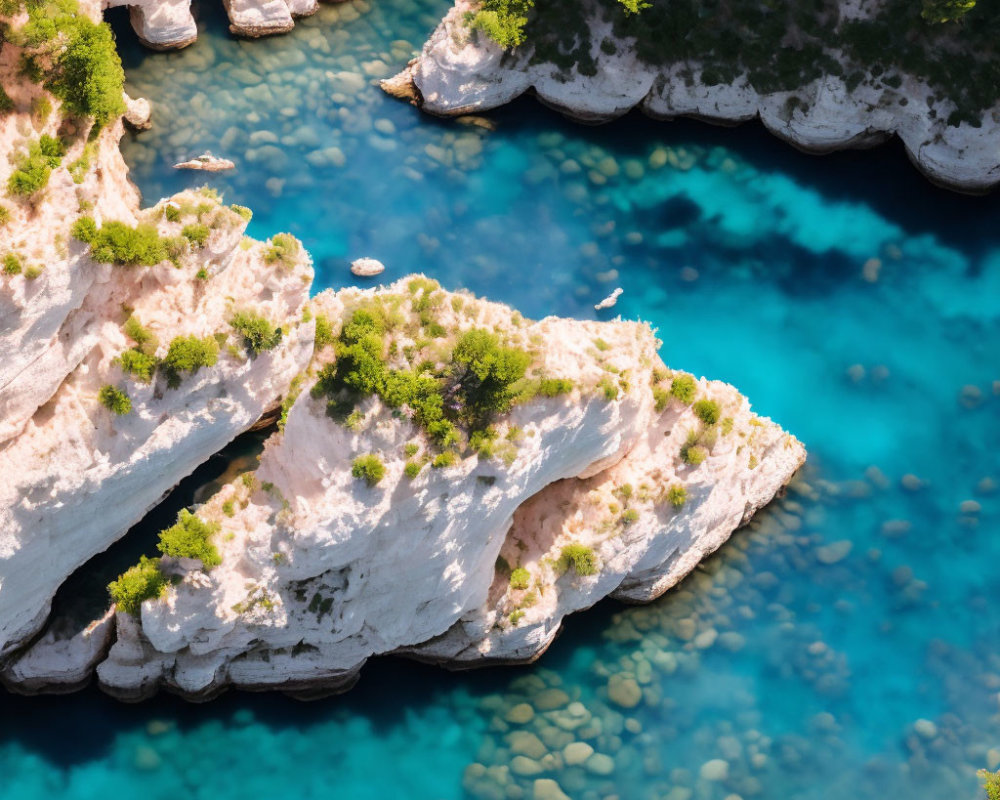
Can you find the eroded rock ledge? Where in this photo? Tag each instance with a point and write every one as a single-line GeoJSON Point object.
{"type": "Point", "coordinates": [461, 71]}
{"type": "Point", "coordinates": [617, 484]}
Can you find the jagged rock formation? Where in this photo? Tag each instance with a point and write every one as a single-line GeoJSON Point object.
{"type": "Point", "coordinates": [428, 518]}
{"type": "Point", "coordinates": [460, 71]}
{"type": "Point", "coordinates": [79, 475]}
{"type": "Point", "coordinates": [458, 559]}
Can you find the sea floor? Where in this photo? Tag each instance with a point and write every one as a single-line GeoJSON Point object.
{"type": "Point", "coordinates": [842, 647]}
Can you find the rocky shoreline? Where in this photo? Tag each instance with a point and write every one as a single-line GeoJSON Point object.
{"type": "Point", "coordinates": [141, 341]}
{"type": "Point", "coordinates": [460, 71]}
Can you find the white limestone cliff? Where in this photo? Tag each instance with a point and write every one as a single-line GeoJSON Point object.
{"type": "Point", "coordinates": [321, 570]}
{"type": "Point", "coordinates": [460, 72]}
{"type": "Point", "coordinates": [76, 475]}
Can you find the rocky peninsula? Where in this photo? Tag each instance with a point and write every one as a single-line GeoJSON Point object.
{"type": "Point", "coordinates": [814, 78]}
{"type": "Point", "coordinates": [445, 479]}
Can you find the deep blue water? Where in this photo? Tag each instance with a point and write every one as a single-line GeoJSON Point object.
{"type": "Point", "coordinates": [750, 259]}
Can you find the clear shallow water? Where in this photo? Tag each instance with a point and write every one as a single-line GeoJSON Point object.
{"type": "Point", "coordinates": [755, 264]}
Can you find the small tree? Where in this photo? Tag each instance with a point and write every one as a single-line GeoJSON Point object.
{"type": "Point", "coordinates": [940, 11]}
{"type": "Point", "coordinates": [142, 582]}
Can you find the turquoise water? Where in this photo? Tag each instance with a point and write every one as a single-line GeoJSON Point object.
{"type": "Point", "coordinates": [851, 301]}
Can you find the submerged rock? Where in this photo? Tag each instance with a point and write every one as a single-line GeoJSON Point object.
{"type": "Point", "coordinates": [367, 267]}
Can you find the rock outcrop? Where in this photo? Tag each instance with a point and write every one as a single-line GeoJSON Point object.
{"type": "Point", "coordinates": [86, 446]}
{"type": "Point", "coordinates": [612, 485]}
{"type": "Point", "coordinates": [169, 24]}
{"type": "Point", "coordinates": [461, 71]}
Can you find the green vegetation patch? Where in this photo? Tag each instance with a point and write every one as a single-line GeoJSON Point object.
{"type": "Point", "coordinates": [581, 558]}
{"type": "Point", "coordinates": [677, 495]}
{"type": "Point", "coordinates": [369, 468]}
{"type": "Point", "coordinates": [144, 581]}
{"type": "Point", "coordinates": [76, 57]}
{"type": "Point", "coordinates": [33, 169]}
{"type": "Point", "coordinates": [191, 537]}
{"type": "Point", "coordinates": [117, 243]}
{"type": "Point", "coordinates": [114, 400]}
{"type": "Point", "coordinates": [258, 333]}
{"type": "Point", "coordinates": [188, 354]}
{"type": "Point", "coordinates": [283, 250]}
{"type": "Point", "coordinates": [520, 578]}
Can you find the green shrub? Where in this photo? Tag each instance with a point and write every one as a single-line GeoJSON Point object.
{"type": "Point", "coordinates": [707, 411]}
{"type": "Point", "coordinates": [282, 250]}
{"type": "Point", "coordinates": [991, 783]}
{"type": "Point", "coordinates": [243, 211]}
{"type": "Point", "coordinates": [580, 557]}
{"type": "Point", "coordinates": [12, 264]}
{"type": "Point", "coordinates": [683, 388]}
{"type": "Point", "coordinates": [369, 467]}
{"type": "Point", "coordinates": [32, 272]}
{"type": "Point", "coordinates": [324, 331]}
{"type": "Point", "coordinates": [229, 508]}
{"type": "Point", "coordinates": [196, 233]}
{"type": "Point", "coordinates": [86, 73]}
{"type": "Point", "coordinates": [33, 170]}
{"type": "Point", "coordinates": [601, 345]}
{"type": "Point", "coordinates": [631, 515]}
{"type": "Point", "coordinates": [411, 449]}
{"type": "Point", "coordinates": [486, 373]}
{"type": "Point", "coordinates": [4, 214]}
{"type": "Point", "coordinates": [520, 578]}
{"type": "Point", "coordinates": [172, 213]}
{"type": "Point", "coordinates": [693, 454]}
{"type": "Point", "coordinates": [41, 107]}
{"type": "Point", "coordinates": [138, 364]}
{"type": "Point", "coordinates": [116, 243]}
{"type": "Point", "coordinates": [412, 469]}
{"type": "Point", "coordinates": [258, 334]}
{"type": "Point", "coordinates": [661, 397]}
{"type": "Point", "coordinates": [84, 230]}
{"type": "Point", "coordinates": [144, 581]}
{"type": "Point", "coordinates": [727, 426]}
{"type": "Point", "coordinates": [188, 354]}
{"type": "Point", "coordinates": [6, 104]}
{"type": "Point", "coordinates": [114, 400]}
{"type": "Point", "coordinates": [444, 460]}
{"type": "Point", "coordinates": [190, 537]}
{"type": "Point", "coordinates": [553, 387]}
{"type": "Point", "coordinates": [677, 495]}
{"type": "Point", "coordinates": [609, 389]}
{"type": "Point", "coordinates": [940, 11]}
{"type": "Point", "coordinates": [144, 338]}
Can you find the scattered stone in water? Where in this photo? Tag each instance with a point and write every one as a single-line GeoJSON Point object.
{"type": "Point", "coordinates": [986, 486]}
{"type": "Point", "coordinates": [548, 789]}
{"type": "Point", "coordinates": [911, 482]}
{"type": "Point", "coordinates": [576, 753]}
{"type": "Point", "coordinates": [526, 743]}
{"type": "Point", "coordinates": [206, 162]}
{"type": "Point", "coordinates": [550, 699]}
{"type": "Point", "coordinates": [600, 764]}
{"type": "Point", "coordinates": [714, 770]}
{"type": "Point", "coordinates": [834, 552]}
{"type": "Point", "coordinates": [520, 714]}
{"type": "Point", "coordinates": [970, 507]}
{"type": "Point", "coordinates": [624, 691]}
{"type": "Point", "coordinates": [146, 758]}
{"type": "Point", "coordinates": [367, 267]}
{"type": "Point", "coordinates": [925, 728]}
{"type": "Point", "coordinates": [524, 766]}
{"type": "Point", "coordinates": [610, 300]}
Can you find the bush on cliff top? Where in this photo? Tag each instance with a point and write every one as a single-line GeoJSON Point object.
{"type": "Point", "coordinates": [369, 468]}
{"type": "Point", "coordinates": [84, 70]}
{"type": "Point", "coordinates": [257, 332]}
{"type": "Point", "coordinates": [188, 354]}
{"type": "Point", "coordinates": [190, 537]}
{"type": "Point", "coordinates": [144, 581]}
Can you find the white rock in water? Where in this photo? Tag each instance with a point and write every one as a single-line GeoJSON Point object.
{"type": "Point", "coordinates": [457, 74]}
{"type": "Point", "coordinates": [321, 569]}
{"type": "Point", "coordinates": [206, 162]}
{"type": "Point", "coordinates": [610, 300]}
{"type": "Point", "coordinates": [367, 267]}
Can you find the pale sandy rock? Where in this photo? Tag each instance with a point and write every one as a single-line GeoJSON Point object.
{"type": "Point", "coordinates": [160, 24]}
{"type": "Point", "coordinates": [609, 301]}
{"type": "Point", "coordinates": [460, 72]}
{"type": "Point", "coordinates": [256, 18]}
{"type": "Point", "coordinates": [138, 113]}
{"type": "Point", "coordinates": [367, 267]}
{"type": "Point", "coordinates": [313, 580]}
{"type": "Point", "coordinates": [61, 661]}
{"type": "Point", "coordinates": [206, 162]}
